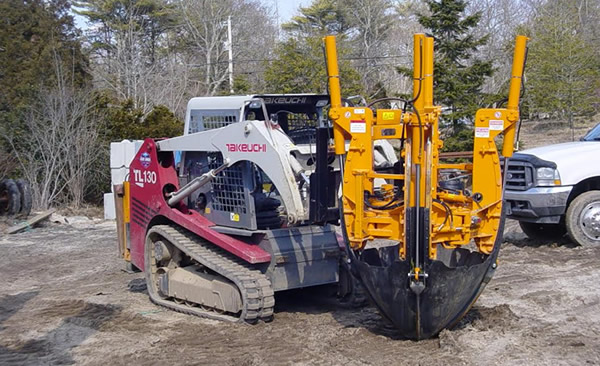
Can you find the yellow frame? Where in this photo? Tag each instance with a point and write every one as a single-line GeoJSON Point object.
{"type": "Point", "coordinates": [473, 218]}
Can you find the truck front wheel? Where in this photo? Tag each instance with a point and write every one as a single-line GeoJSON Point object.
{"type": "Point", "coordinates": [583, 219]}
{"type": "Point", "coordinates": [542, 231]}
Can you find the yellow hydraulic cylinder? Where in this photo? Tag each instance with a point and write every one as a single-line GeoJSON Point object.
{"type": "Point", "coordinates": [415, 130]}
{"type": "Point", "coordinates": [514, 93]}
{"type": "Point", "coordinates": [418, 45]}
{"type": "Point", "coordinates": [334, 92]}
{"type": "Point", "coordinates": [428, 72]}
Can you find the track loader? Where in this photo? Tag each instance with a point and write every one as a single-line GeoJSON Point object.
{"type": "Point", "coordinates": [247, 210]}
{"type": "Point", "coordinates": [246, 203]}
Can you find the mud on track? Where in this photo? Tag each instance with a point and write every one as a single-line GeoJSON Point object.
{"type": "Point", "coordinates": [65, 300]}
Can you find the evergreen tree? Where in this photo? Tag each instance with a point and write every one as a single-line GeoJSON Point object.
{"type": "Point", "coordinates": [36, 37]}
{"type": "Point", "coordinates": [125, 39]}
{"type": "Point", "coordinates": [115, 20]}
{"type": "Point", "coordinates": [563, 66]}
{"type": "Point", "coordinates": [299, 65]}
{"type": "Point", "coordinates": [458, 76]}
{"type": "Point", "coordinates": [320, 18]}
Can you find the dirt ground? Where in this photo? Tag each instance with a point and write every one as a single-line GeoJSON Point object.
{"type": "Point", "coordinates": [65, 300]}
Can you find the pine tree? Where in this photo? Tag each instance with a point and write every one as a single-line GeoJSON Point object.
{"type": "Point", "coordinates": [35, 36]}
{"type": "Point", "coordinates": [113, 19]}
{"type": "Point", "coordinates": [563, 66]}
{"type": "Point", "coordinates": [458, 77]}
{"type": "Point", "coordinates": [320, 18]}
{"type": "Point", "coordinates": [299, 65]}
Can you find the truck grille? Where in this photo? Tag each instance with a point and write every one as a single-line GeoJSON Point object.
{"type": "Point", "coordinates": [520, 175]}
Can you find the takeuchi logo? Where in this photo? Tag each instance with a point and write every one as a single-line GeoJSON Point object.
{"type": "Point", "coordinates": [246, 147]}
{"type": "Point", "coordinates": [145, 159]}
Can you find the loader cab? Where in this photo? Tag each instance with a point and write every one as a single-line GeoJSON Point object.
{"type": "Point", "coordinates": [303, 118]}
{"type": "Point", "coordinates": [294, 113]}
{"type": "Point", "coordinates": [245, 190]}
{"type": "Point", "coordinates": [298, 115]}
{"type": "Point", "coordinates": [207, 113]}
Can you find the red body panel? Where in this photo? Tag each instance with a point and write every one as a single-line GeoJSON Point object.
{"type": "Point", "coordinates": [148, 177]}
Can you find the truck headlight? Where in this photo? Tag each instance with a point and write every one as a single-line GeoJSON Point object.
{"type": "Point", "coordinates": [547, 177]}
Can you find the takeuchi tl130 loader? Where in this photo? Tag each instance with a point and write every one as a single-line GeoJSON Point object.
{"type": "Point", "coordinates": [250, 207]}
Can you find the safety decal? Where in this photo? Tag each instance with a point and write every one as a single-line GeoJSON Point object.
{"type": "Point", "coordinates": [234, 216]}
{"type": "Point", "coordinates": [388, 116]}
{"type": "Point", "coordinates": [358, 126]}
{"type": "Point", "coordinates": [145, 160]}
{"type": "Point", "coordinates": [483, 132]}
{"type": "Point", "coordinates": [496, 125]}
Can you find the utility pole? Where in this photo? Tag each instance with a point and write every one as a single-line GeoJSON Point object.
{"type": "Point", "coordinates": [277, 17]}
{"type": "Point", "coordinates": [230, 49]}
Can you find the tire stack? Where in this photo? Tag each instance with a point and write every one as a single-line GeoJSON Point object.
{"type": "Point", "coordinates": [15, 198]}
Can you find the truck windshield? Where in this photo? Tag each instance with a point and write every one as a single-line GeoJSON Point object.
{"type": "Point", "coordinates": [593, 135]}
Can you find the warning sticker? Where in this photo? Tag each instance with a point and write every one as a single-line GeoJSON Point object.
{"type": "Point", "coordinates": [387, 116]}
{"type": "Point", "coordinates": [234, 216]}
{"type": "Point", "coordinates": [358, 127]}
{"type": "Point", "coordinates": [482, 132]}
{"type": "Point", "coordinates": [496, 125]}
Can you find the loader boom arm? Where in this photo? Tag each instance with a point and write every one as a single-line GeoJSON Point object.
{"type": "Point", "coordinates": [268, 149]}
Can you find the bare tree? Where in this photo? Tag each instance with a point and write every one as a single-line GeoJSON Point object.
{"type": "Point", "coordinates": [499, 21]}
{"type": "Point", "coordinates": [254, 39]}
{"type": "Point", "coordinates": [564, 67]}
{"type": "Point", "coordinates": [400, 44]}
{"type": "Point", "coordinates": [60, 144]}
{"type": "Point", "coordinates": [372, 20]}
{"type": "Point", "coordinates": [126, 41]}
{"type": "Point", "coordinates": [205, 36]}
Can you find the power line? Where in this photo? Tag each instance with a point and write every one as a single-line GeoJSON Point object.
{"type": "Point", "coordinates": [248, 61]}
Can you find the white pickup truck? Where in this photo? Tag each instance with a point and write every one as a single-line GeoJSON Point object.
{"type": "Point", "coordinates": [555, 189]}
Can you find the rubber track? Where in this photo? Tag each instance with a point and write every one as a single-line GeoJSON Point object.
{"type": "Point", "coordinates": [257, 293]}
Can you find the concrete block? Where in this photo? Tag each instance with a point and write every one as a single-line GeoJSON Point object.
{"type": "Point", "coordinates": [118, 175]}
{"type": "Point", "coordinates": [122, 153]}
{"type": "Point", "coordinates": [109, 206]}
{"type": "Point", "coordinates": [117, 153]}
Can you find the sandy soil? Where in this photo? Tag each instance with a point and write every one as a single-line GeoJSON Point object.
{"type": "Point", "coordinates": [64, 299]}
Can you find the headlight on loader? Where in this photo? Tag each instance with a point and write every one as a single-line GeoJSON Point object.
{"type": "Point", "coordinates": [547, 177]}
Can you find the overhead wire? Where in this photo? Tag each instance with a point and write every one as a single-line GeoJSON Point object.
{"type": "Point", "coordinates": [248, 61]}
